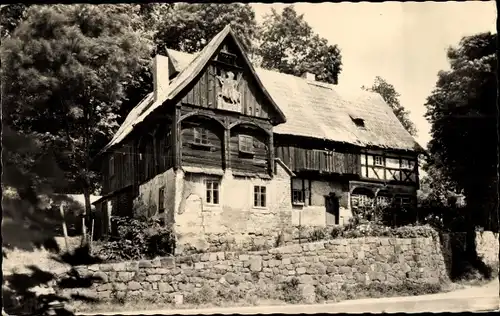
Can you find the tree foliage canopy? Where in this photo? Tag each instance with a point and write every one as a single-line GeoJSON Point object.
{"type": "Point", "coordinates": [463, 114]}
{"type": "Point", "coordinates": [288, 44]}
{"type": "Point", "coordinates": [391, 96]}
{"type": "Point", "coordinates": [189, 27]}
{"type": "Point", "coordinates": [64, 72]}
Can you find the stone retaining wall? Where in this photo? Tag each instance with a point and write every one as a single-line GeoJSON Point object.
{"type": "Point", "coordinates": [328, 264]}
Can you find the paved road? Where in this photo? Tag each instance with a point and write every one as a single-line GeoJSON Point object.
{"type": "Point", "coordinates": [485, 298]}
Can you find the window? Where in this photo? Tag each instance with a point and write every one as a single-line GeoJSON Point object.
{"type": "Point", "coordinates": [382, 200]}
{"type": "Point", "coordinates": [359, 122]}
{"type": "Point", "coordinates": [161, 200]}
{"type": "Point", "coordinates": [200, 136]}
{"type": "Point", "coordinates": [111, 166]}
{"type": "Point", "coordinates": [300, 191]}
{"type": "Point", "coordinates": [212, 187]}
{"type": "Point", "coordinates": [259, 196]}
{"type": "Point", "coordinates": [245, 144]}
{"type": "Point", "coordinates": [406, 164]}
{"type": "Point", "coordinates": [378, 161]}
{"type": "Point", "coordinates": [403, 200]}
{"type": "Point", "coordinates": [227, 58]}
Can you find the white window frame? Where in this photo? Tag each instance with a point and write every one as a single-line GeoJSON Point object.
{"type": "Point", "coordinates": [406, 164]}
{"type": "Point", "coordinates": [210, 191]}
{"type": "Point", "coordinates": [381, 163]}
{"type": "Point", "coordinates": [242, 139]}
{"type": "Point", "coordinates": [200, 136]}
{"type": "Point", "coordinates": [257, 196]}
{"type": "Point", "coordinates": [303, 191]}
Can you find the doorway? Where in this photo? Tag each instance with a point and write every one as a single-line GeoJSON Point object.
{"type": "Point", "coordinates": [332, 209]}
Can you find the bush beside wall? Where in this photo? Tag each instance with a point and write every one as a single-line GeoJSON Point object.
{"type": "Point", "coordinates": [311, 268]}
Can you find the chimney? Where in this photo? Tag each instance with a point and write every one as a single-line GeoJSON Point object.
{"type": "Point", "coordinates": [160, 77]}
{"type": "Point", "coordinates": [309, 76]}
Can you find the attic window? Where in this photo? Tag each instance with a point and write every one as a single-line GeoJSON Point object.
{"type": "Point", "coordinates": [358, 121]}
{"type": "Point", "coordinates": [227, 58]}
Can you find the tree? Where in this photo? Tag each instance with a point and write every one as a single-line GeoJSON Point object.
{"type": "Point", "coordinates": [391, 97]}
{"type": "Point", "coordinates": [11, 16]}
{"type": "Point", "coordinates": [288, 44]}
{"type": "Point", "coordinates": [64, 72]}
{"type": "Point", "coordinates": [463, 114]}
{"type": "Point", "coordinates": [189, 27]}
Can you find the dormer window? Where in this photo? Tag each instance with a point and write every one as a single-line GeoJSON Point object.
{"type": "Point", "coordinates": [359, 122]}
{"type": "Point", "coordinates": [245, 144]}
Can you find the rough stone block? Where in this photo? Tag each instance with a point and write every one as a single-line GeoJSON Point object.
{"type": "Point", "coordinates": [132, 266]}
{"type": "Point", "coordinates": [139, 276]}
{"type": "Point", "coordinates": [300, 270]}
{"type": "Point", "coordinates": [105, 267]}
{"type": "Point", "coordinates": [212, 257]}
{"type": "Point", "coordinates": [204, 257]}
{"type": "Point", "coordinates": [256, 264]}
{"type": "Point", "coordinates": [199, 265]}
{"type": "Point", "coordinates": [134, 286]}
{"type": "Point", "coordinates": [153, 278]}
{"type": "Point", "coordinates": [156, 263]}
{"type": "Point", "coordinates": [145, 264]}
{"type": "Point", "coordinates": [93, 268]}
{"type": "Point", "coordinates": [146, 286]}
{"type": "Point", "coordinates": [244, 257]}
{"type": "Point", "coordinates": [104, 287]}
{"type": "Point", "coordinates": [178, 299]}
{"type": "Point", "coordinates": [120, 286]}
{"type": "Point", "coordinates": [104, 295]}
{"type": "Point", "coordinates": [308, 293]}
{"type": "Point", "coordinates": [119, 267]}
{"type": "Point", "coordinates": [167, 262]}
{"type": "Point", "coordinates": [125, 276]}
{"type": "Point", "coordinates": [101, 277]}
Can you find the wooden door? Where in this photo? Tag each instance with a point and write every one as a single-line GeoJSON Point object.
{"type": "Point", "coordinates": [332, 210]}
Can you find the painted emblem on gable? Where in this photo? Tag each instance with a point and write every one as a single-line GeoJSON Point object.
{"type": "Point", "coordinates": [229, 97]}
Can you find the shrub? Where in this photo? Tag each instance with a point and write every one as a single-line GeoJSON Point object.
{"type": "Point", "coordinates": [205, 295]}
{"type": "Point", "coordinates": [290, 291]}
{"type": "Point", "coordinates": [317, 234]}
{"type": "Point", "coordinates": [136, 239]}
{"type": "Point", "coordinates": [376, 230]}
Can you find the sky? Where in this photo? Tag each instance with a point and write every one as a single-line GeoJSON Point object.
{"type": "Point", "coordinates": [403, 42]}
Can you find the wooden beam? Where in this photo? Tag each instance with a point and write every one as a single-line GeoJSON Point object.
{"type": "Point", "coordinates": [271, 154]}
{"type": "Point", "coordinates": [226, 144]}
{"type": "Point", "coordinates": [176, 139]}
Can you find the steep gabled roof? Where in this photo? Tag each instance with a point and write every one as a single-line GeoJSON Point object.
{"type": "Point", "coordinates": [325, 111]}
{"type": "Point", "coordinates": [186, 75]}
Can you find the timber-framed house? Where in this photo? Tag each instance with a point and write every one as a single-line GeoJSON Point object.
{"type": "Point", "coordinates": [220, 147]}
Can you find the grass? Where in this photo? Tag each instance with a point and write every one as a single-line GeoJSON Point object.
{"type": "Point", "coordinates": [18, 260]}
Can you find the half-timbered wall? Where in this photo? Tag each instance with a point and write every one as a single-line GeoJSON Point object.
{"type": "Point", "coordinates": [208, 152]}
{"type": "Point", "coordinates": [389, 167]}
{"type": "Point", "coordinates": [253, 159]}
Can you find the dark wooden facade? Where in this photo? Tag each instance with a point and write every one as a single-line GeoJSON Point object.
{"type": "Point", "coordinates": [200, 128]}
{"type": "Point", "coordinates": [223, 119]}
